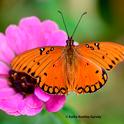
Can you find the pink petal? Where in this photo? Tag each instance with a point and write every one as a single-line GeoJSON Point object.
{"type": "Point", "coordinates": [38, 32]}
{"type": "Point", "coordinates": [16, 113]}
{"type": "Point", "coordinates": [47, 37]}
{"type": "Point", "coordinates": [6, 53]}
{"type": "Point", "coordinates": [4, 83]}
{"type": "Point", "coordinates": [5, 93]}
{"type": "Point", "coordinates": [49, 26]}
{"type": "Point", "coordinates": [41, 95]}
{"type": "Point", "coordinates": [57, 38]}
{"type": "Point", "coordinates": [4, 69]}
{"type": "Point", "coordinates": [10, 104]}
{"type": "Point", "coordinates": [55, 103]}
{"type": "Point", "coordinates": [32, 27]}
{"type": "Point", "coordinates": [17, 39]}
{"type": "Point", "coordinates": [30, 105]}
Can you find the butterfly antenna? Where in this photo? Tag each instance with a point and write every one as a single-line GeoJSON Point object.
{"type": "Point", "coordinates": [64, 22]}
{"type": "Point", "coordinates": [78, 23]}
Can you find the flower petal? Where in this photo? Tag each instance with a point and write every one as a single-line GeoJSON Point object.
{"type": "Point", "coordinates": [58, 38]}
{"type": "Point", "coordinates": [16, 113]}
{"type": "Point", "coordinates": [30, 105]}
{"type": "Point", "coordinates": [41, 95]}
{"type": "Point", "coordinates": [17, 39]}
{"type": "Point", "coordinates": [32, 27]}
{"type": "Point", "coordinates": [4, 69]}
{"type": "Point", "coordinates": [5, 93]}
{"type": "Point", "coordinates": [51, 34]}
{"type": "Point", "coordinates": [49, 26]}
{"type": "Point", "coordinates": [55, 103]}
{"type": "Point", "coordinates": [4, 83]}
{"type": "Point", "coordinates": [38, 32]}
{"type": "Point", "coordinates": [6, 53]}
{"type": "Point", "coordinates": [10, 104]}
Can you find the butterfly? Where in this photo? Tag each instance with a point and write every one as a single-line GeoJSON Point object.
{"type": "Point", "coordinates": [60, 69]}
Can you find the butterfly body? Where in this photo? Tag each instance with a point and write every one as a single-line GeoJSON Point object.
{"type": "Point", "coordinates": [69, 65]}
{"type": "Point", "coordinates": [61, 69]}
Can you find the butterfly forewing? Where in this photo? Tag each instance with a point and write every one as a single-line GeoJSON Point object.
{"type": "Point", "coordinates": [105, 54]}
{"type": "Point", "coordinates": [45, 64]}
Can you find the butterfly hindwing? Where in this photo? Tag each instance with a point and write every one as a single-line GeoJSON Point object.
{"type": "Point", "coordinates": [90, 77]}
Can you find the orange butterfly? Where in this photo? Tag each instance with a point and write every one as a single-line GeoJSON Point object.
{"type": "Point", "coordinates": [61, 69]}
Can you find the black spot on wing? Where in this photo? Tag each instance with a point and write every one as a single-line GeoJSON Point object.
{"type": "Point", "coordinates": [52, 48]}
{"type": "Point", "coordinates": [113, 62]}
{"type": "Point", "coordinates": [110, 66]}
{"type": "Point", "coordinates": [33, 73]}
{"type": "Point", "coordinates": [24, 67]}
{"type": "Point", "coordinates": [87, 64]}
{"type": "Point", "coordinates": [91, 47]}
{"type": "Point", "coordinates": [116, 58]}
{"type": "Point", "coordinates": [38, 63]}
{"type": "Point", "coordinates": [29, 70]}
{"type": "Point", "coordinates": [103, 57]}
{"type": "Point", "coordinates": [41, 50]}
{"type": "Point", "coordinates": [87, 45]}
{"type": "Point", "coordinates": [47, 52]}
{"type": "Point", "coordinates": [97, 71]}
{"type": "Point", "coordinates": [45, 73]}
{"type": "Point", "coordinates": [97, 45]}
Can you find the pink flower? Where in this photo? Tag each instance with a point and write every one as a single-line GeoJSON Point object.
{"type": "Point", "coordinates": [30, 33]}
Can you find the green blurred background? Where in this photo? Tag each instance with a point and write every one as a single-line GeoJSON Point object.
{"type": "Point", "coordinates": [104, 22]}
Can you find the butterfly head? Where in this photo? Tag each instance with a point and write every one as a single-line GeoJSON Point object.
{"type": "Point", "coordinates": [70, 41]}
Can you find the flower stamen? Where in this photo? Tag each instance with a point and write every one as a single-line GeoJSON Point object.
{"type": "Point", "coordinates": [22, 82]}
